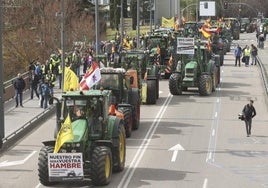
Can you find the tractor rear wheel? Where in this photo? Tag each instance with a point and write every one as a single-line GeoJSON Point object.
{"type": "Point", "coordinates": [221, 53]}
{"type": "Point", "coordinates": [101, 169]}
{"type": "Point", "coordinates": [136, 116]}
{"type": "Point", "coordinates": [175, 87]}
{"type": "Point", "coordinates": [151, 92]}
{"type": "Point", "coordinates": [128, 122]}
{"type": "Point", "coordinates": [205, 85]}
{"type": "Point", "coordinates": [43, 165]}
{"type": "Point", "coordinates": [120, 150]}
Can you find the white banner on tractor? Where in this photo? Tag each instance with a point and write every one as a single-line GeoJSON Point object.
{"type": "Point", "coordinates": [185, 45]}
{"type": "Point", "coordinates": [65, 166]}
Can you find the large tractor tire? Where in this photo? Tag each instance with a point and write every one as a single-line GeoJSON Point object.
{"type": "Point", "coordinates": [43, 165]}
{"type": "Point", "coordinates": [205, 85]}
{"type": "Point", "coordinates": [218, 75]}
{"type": "Point", "coordinates": [135, 102]}
{"type": "Point", "coordinates": [221, 53]}
{"type": "Point", "coordinates": [136, 116]}
{"type": "Point", "coordinates": [175, 87]}
{"type": "Point", "coordinates": [119, 152]}
{"type": "Point", "coordinates": [128, 122]}
{"type": "Point", "coordinates": [214, 77]}
{"type": "Point", "coordinates": [101, 169]}
{"type": "Point", "coordinates": [151, 92]}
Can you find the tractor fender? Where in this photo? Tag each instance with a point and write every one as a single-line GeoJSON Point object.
{"type": "Point", "coordinates": [135, 98]}
{"type": "Point", "coordinates": [211, 65]}
{"type": "Point", "coordinates": [49, 143]}
{"type": "Point", "coordinates": [115, 126]}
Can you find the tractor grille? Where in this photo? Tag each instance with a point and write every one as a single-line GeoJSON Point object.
{"type": "Point", "coordinates": [189, 73]}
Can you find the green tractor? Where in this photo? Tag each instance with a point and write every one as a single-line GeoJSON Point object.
{"type": "Point", "coordinates": [159, 47]}
{"type": "Point", "coordinates": [97, 146]}
{"type": "Point", "coordinates": [195, 68]}
{"type": "Point", "coordinates": [145, 73]}
{"type": "Point", "coordinates": [126, 99]}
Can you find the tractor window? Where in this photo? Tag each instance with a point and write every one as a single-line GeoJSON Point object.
{"type": "Point", "coordinates": [109, 81]}
{"type": "Point", "coordinates": [76, 108]}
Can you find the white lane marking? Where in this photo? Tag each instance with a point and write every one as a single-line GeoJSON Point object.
{"type": "Point", "coordinates": [140, 152]}
{"type": "Point", "coordinates": [14, 163]}
{"type": "Point", "coordinates": [205, 183]}
{"type": "Point", "coordinates": [213, 132]}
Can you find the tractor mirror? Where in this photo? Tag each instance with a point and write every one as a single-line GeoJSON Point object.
{"type": "Point", "coordinates": [58, 110]}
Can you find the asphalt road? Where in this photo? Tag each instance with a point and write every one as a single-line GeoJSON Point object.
{"type": "Point", "coordinates": [183, 141]}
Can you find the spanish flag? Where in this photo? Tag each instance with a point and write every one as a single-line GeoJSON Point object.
{"type": "Point", "coordinates": [71, 80]}
{"type": "Point", "coordinates": [65, 134]}
{"type": "Point", "coordinates": [206, 32]}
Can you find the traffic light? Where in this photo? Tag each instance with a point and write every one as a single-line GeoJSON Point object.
{"type": "Point", "coordinates": [225, 5]}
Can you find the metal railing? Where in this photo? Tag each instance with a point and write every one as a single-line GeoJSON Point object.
{"type": "Point", "coordinates": [9, 91]}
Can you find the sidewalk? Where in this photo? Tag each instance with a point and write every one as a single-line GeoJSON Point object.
{"type": "Point", "coordinates": [23, 119]}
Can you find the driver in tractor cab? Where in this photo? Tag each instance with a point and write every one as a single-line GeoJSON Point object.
{"type": "Point", "coordinates": [79, 113]}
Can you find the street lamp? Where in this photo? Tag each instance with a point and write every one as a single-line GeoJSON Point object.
{"type": "Point", "coordinates": [138, 24]}
{"type": "Point", "coordinates": [121, 21]}
{"type": "Point", "coordinates": [2, 122]}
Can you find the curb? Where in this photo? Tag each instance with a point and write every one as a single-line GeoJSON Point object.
{"type": "Point", "coordinates": [264, 74]}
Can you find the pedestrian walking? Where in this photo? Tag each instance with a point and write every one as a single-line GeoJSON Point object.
{"type": "Point", "coordinates": [237, 53]}
{"type": "Point", "coordinates": [254, 53]}
{"type": "Point", "coordinates": [249, 112]}
{"type": "Point", "coordinates": [45, 93]}
{"type": "Point", "coordinates": [34, 80]}
{"type": "Point", "coordinates": [19, 86]}
{"type": "Point", "coordinates": [247, 54]}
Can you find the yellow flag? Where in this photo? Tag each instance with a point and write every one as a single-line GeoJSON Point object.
{"type": "Point", "coordinates": [169, 23]}
{"type": "Point", "coordinates": [71, 80]}
{"type": "Point", "coordinates": [65, 134]}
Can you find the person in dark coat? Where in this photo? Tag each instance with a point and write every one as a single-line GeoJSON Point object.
{"type": "Point", "coordinates": [249, 112]}
{"type": "Point", "coordinates": [238, 53]}
{"type": "Point", "coordinates": [19, 85]}
{"type": "Point", "coordinates": [34, 80]}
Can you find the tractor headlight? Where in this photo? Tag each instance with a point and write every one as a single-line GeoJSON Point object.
{"type": "Point", "coordinates": [178, 68]}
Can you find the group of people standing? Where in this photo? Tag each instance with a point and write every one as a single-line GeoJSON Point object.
{"type": "Point", "coordinates": [246, 53]}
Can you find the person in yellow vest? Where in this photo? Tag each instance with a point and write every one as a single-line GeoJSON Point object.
{"type": "Point", "coordinates": [51, 80]}
{"type": "Point", "coordinates": [54, 62]}
{"type": "Point", "coordinates": [59, 75]}
{"type": "Point", "coordinates": [247, 53]}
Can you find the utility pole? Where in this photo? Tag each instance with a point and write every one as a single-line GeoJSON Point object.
{"type": "Point", "coordinates": [2, 120]}
{"type": "Point", "coordinates": [97, 26]}
{"type": "Point", "coordinates": [138, 24]}
{"type": "Point", "coordinates": [121, 23]}
{"type": "Point", "coordinates": [151, 9]}
{"type": "Point", "coordinates": [62, 42]}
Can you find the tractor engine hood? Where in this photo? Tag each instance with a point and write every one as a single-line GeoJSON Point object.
{"type": "Point", "coordinates": [80, 128]}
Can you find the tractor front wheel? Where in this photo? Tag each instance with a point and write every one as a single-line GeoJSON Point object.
{"type": "Point", "coordinates": [101, 170]}
{"type": "Point", "coordinates": [205, 85]}
{"type": "Point", "coordinates": [175, 87]}
{"type": "Point", "coordinates": [120, 150]}
{"type": "Point", "coordinates": [43, 165]}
